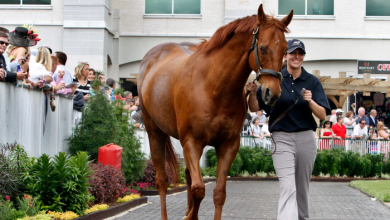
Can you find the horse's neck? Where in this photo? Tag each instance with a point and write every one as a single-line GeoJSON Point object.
{"type": "Point", "coordinates": [230, 67]}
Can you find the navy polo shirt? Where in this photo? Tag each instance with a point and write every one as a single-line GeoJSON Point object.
{"type": "Point", "coordinates": [300, 117]}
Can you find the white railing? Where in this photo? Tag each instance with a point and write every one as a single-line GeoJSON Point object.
{"type": "Point", "coordinates": [370, 146]}
{"type": "Point", "coordinates": [22, 119]}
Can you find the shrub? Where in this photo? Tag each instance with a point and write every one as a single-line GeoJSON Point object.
{"type": "Point", "coordinates": [28, 206]}
{"type": "Point", "coordinates": [182, 175]}
{"type": "Point", "coordinates": [209, 171]}
{"type": "Point", "coordinates": [106, 183]}
{"type": "Point", "coordinates": [209, 155]}
{"type": "Point", "coordinates": [14, 162]}
{"type": "Point", "coordinates": [105, 123]}
{"type": "Point", "coordinates": [236, 166]}
{"type": "Point", "coordinates": [133, 159]}
{"type": "Point", "coordinates": [7, 210]}
{"type": "Point", "coordinates": [61, 183]}
{"type": "Point", "coordinates": [150, 173]}
{"type": "Point", "coordinates": [98, 127]}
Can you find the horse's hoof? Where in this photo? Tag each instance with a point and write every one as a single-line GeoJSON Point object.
{"type": "Point", "coordinates": [185, 218]}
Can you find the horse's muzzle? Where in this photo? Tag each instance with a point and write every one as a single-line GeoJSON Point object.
{"type": "Point", "coordinates": [268, 97]}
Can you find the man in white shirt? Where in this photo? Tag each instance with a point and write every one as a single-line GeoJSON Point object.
{"type": "Point", "coordinates": [333, 118]}
{"type": "Point", "coordinates": [62, 58]}
{"type": "Point", "coordinates": [360, 130]}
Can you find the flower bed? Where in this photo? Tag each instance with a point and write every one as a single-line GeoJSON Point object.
{"type": "Point", "coordinates": [114, 210]}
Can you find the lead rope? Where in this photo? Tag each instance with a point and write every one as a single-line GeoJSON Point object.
{"type": "Point", "coordinates": [278, 119]}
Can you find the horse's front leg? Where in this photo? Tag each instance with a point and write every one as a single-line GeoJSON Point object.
{"type": "Point", "coordinates": [226, 154]}
{"type": "Point", "coordinates": [192, 152]}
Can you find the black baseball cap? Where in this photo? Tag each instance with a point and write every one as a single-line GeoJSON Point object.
{"type": "Point", "coordinates": [295, 44]}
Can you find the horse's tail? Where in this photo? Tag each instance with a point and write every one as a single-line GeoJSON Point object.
{"type": "Point", "coordinates": [172, 162]}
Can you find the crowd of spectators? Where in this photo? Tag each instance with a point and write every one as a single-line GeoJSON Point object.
{"type": "Point", "coordinates": [41, 68]}
{"type": "Point", "coordinates": [334, 132]}
{"type": "Point", "coordinates": [362, 129]}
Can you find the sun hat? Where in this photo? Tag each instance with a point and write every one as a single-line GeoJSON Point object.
{"type": "Point", "coordinates": [25, 36]}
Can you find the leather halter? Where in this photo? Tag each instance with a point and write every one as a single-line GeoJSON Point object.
{"type": "Point", "coordinates": [259, 69]}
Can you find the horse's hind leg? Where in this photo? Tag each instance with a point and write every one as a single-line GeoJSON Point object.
{"type": "Point", "coordinates": [192, 153]}
{"type": "Point", "coordinates": [157, 140]}
{"type": "Point", "coordinates": [226, 154]}
{"type": "Point", "coordinates": [190, 200]}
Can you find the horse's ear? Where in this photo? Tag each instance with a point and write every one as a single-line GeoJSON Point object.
{"type": "Point", "coordinates": [286, 20]}
{"type": "Point", "coordinates": [261, 15]}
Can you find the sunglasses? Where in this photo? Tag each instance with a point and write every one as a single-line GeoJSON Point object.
{"type": "Point", "coordinates": [363, 123]}
{"type": "Point", "coordinates": [2, 42]}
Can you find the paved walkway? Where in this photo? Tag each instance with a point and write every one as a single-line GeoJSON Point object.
{"type": "Point", "coordinates": [258, 200]}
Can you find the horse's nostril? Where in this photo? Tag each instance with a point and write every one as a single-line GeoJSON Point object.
{"type": "Point", "coordinates": [268, 94]}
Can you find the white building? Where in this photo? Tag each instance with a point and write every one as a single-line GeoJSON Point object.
{"type": "Point", "coordinates": [114, 35]}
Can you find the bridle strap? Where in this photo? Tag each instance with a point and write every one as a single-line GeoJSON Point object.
{"type": "Point", "coordinates": [259, 69]}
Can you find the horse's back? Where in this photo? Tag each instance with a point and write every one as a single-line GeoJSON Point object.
{"type": "Point", "coordinates": [160, 70]}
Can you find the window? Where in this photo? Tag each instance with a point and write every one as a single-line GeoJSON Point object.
{"type": "Point", "coordinates": [25, 2]}
{"type": "Point", "coordinates": [377, 8]}
{"type": "Point", "coordinates": [306, 7]}
{"type": "Point", "coordinates": [169, 7]}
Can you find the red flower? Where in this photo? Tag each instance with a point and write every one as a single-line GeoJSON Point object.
{"type": "Point", "coordinates": [7, 198]}
{"type": "Point", "coordinates": [117, 195]}
{"type": "Point", "coordinates": [31, 202]}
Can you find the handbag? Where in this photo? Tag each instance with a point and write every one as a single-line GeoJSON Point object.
{"type": "Point", "coordinates": [52, 101]}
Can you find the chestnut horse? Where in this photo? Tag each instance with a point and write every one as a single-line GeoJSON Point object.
{"type": "Point", "coordinates": [195, 93]}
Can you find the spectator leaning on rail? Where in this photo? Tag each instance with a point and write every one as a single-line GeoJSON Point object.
{"type": "Point", "coordinates": [340, 131]}
{"type": "Point", "coordinates": [296, 148]}
{"type": "Point", "coordinates": [6, 75]}
{"type": "Point", "coordinates": [81, 77]}
{"type": "Point", "coordinates": [66, 77]}
{"type": "Point", "coordinates": [60, 83]}
{"type": "Point", "coordinates": [360, 130]}
{"type": "Point", "coordinates": [382, 131]}
{"type": "Point", "coordinates": [40, 71]}
{"type": "Point", "coordinates": [13, 67]}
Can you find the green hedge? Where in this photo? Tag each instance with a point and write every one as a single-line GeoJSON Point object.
{"type": "Point", "coordinates": [334, 162]}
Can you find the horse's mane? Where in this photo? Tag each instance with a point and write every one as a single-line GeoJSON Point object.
{"type": "Point", "coordinates": [224, 33]}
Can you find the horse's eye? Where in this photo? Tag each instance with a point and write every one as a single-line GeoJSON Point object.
{"type": "Point", "coordinates": [263, 50]}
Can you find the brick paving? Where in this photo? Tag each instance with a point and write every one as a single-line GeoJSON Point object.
{"type": "Point", "coordinates": [258, 200]}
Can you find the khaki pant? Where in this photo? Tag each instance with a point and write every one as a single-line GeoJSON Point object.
{"type": "Point", "coordinates": [294, 161]}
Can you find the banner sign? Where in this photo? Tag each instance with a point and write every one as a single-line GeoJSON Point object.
{"type": "Point", "coordinates": [373, 67]}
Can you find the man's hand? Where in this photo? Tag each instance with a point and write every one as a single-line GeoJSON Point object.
{"type": "Point", "coordinates": [3, 73]}
{"type": "Point", "coordinates": [307, 96]}
{"type": "Point", "coordinates": [59, 87]}
{"type": "Point", "coordinates": [61, 73]}
{"type": "Point", "coordinates": [21, 75]}
{"type": "Point", "coordinates": [252, 87]}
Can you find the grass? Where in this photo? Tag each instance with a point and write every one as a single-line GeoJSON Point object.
{"type": "Point", "coordinates": [378, 188]}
